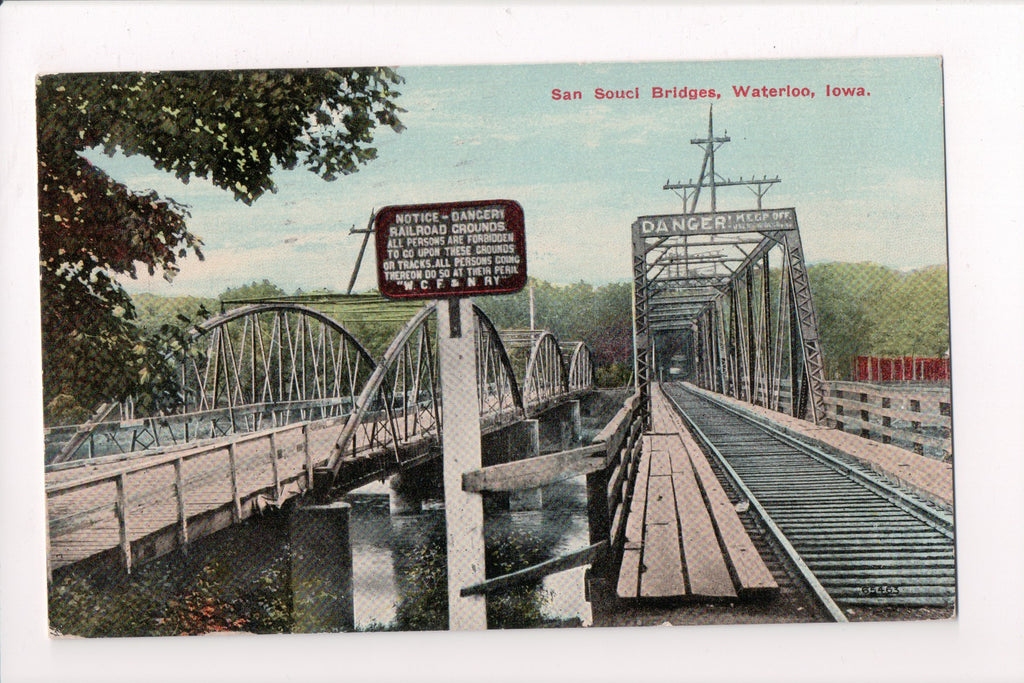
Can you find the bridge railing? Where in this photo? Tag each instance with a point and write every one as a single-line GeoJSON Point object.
{"type": "Point", "coordinates": [918, 417]}
{"type": "Point", "coordinates": [912, 416]}
{"type": "Point", "coordinates": [68, 445]}
{"type": "Point", "coordinates": [147, 504]}
{"type": "Point", "coordinates": [610, 489]}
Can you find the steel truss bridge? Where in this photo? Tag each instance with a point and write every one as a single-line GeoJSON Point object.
{"type": "Point", "coordinates": [262, 366]}
{"type": "Point", "coordinates": [280, 397]}
{"type": "Point", "coordinates": [730, 289]}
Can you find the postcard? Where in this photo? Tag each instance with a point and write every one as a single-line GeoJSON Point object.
{"type": "Point", "coordinates": [341, 352]}
{"type": "Point", "coordinates": [633, 344]}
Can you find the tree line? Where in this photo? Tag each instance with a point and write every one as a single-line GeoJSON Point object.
{"type": "Point", "coordinates": [862, 309]}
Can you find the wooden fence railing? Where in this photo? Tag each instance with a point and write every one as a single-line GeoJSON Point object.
{"type": "Point", "coordinates": [145, 506]}
{"type": "Point", "coordinates": [610, 464]}
{"type": "Point", "coordinates": [907, 415]}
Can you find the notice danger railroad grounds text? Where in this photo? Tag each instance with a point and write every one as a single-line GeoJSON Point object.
{"type": "Point", "coordinates": [428, 251]}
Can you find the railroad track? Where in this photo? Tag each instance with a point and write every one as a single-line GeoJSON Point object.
{"type": "Point", "coordinates": [857, 540]}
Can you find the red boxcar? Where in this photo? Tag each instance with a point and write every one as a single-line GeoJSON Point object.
{"type": "Point", "coordinates": [902, 369]}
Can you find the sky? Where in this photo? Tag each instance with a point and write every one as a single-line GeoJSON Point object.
{"type": "Point", "coordinates": [865, 174]}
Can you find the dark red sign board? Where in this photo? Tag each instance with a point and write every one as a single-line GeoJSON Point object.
{"type": "Point", "coordinates": [430, 251]}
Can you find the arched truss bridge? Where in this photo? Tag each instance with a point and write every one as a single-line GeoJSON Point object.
{"type": "Point", "coordinates": [264, 365]}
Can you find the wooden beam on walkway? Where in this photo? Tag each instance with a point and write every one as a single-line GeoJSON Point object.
{"type": "Point", "coordinates": [553, 566]}
{"type": "Point", "coordinates": [534, 472]}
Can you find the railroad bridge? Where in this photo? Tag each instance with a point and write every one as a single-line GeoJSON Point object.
{"type": "Point", "coordinates": [746, 474]}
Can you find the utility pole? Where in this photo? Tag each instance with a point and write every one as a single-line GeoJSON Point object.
{"type": "Point", "coordinates": [359, 259]}
{"type": "Point", "coordinates": [710, 179]}
{"type": "Point", "coordinates": [533, 320]}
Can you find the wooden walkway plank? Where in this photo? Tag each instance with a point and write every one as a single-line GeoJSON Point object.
{"type": "Point", "coordinates": [662, 563]}
{"type": "Point", "coordinates": [705, 565]}
{"type": "Point", "coordinates": [683, 534]}
{"type": "Point", "coordinates": [753, 578]}
{"type": "Point", "coordinates": [660, 464]}
{"type": "Point", "coordinates": [752, 575]}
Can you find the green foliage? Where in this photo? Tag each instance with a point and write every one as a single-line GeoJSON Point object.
{"type": "Point", "coordinates": [231, 127]}
{"type": "Point", "coordinates": [254, 290]}
{"type": "Point", "coordinates": [82, 606]}
{"type": "Point", "coordinates": [151, 603]}
{"type": "Point", "coordinates": [866, 309]}
{"type": "Point", "coordinates": [65, 410]}
{"type": "Point", "coordinates": [523, 606]}
{"type": "Point", "coordinates": [152, 311]}
{"type": "Point", "coordinates": [613, 375]}
{"type": "Point", "coordinates": [601, 316]}
{"type": "Point", "coordinates": [424, 605]}
{"type": "Point", "coordinates": [915, 318]}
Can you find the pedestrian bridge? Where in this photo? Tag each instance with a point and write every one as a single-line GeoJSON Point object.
{"type": "Point", "coordinates": [280, 399]}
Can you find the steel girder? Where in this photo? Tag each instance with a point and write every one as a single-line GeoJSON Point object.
{"type": "Point", "coordinates": [736, 283]}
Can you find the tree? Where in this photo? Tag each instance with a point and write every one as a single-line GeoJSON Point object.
{"type": "Point", "coordinates": [232, 128]}
{"type": "Point", "coordinates": [915, 319]}
{"type": "Point", "coordinates": [866, 309]}
{"type": "Point", "coordinates": [847, 297]}
{"type": "Point", "coordinates": [254, 290]}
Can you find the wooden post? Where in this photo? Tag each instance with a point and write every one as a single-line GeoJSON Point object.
{"type": "Point", "coordinates": [309, 456]}
{"type": "Point", "coordinates": [598, 520]}
{"type": "Point", "coordinates": [464, 513]}
{"type": "Point", "coordinates": [122, 521]}
{"type": "Point", "coordinates": [840, 425]}
{"type": "Point", "coordinates": [886, 419]}
{"type": "Point", "coordinates": [236, 509]}
{"type": "Point", "coordinates": [273, 464]}
{"type": "Point", "coordinates": [915, 425]}
{"type": "Point", "coordinates": [865, 416]}
{"type": "Point", "coordinates": [179, 492]}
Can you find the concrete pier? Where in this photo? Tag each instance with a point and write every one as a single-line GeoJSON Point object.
{"type": "Point", "coordinates": [561, 427]}
{"type": "Point", "coordinates": [404, 496]}
{"type": "Point", "coordinates": [517, 441]}
{"type": "Point", "coordinates": [321, 575]}
{"type": "Point", "coordinates": [526, 499]}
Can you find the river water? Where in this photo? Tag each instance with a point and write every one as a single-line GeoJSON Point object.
{"type": "Point", "coordinates": [239, 578]}
{"type": "Point", "coordinates": [382, 546]}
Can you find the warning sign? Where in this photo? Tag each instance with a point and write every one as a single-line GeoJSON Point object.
{"type": "Point", "coordinates": [427, 251]}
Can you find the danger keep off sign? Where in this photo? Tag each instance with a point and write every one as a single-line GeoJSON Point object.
{"type": "Point", "coordinates": [428, 251]}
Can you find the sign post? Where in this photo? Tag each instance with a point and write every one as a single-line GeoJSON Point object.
{"type": "Point", "coordinates": [464, 511]}
{"type": "Point", "coordinates": [449, 252]}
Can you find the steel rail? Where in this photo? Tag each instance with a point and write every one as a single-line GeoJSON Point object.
{"type": "Point", "coordinates": [939, 520]}
{"type": "Point", "coordinates": [805, 574]}
{"type": "Point", "coordinates": [865, 541]}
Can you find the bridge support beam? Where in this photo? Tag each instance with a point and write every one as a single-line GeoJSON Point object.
{"type": "Point", "coordinates": [561, 427]}
{"type": "Point", "coordinates": [321, 576]}
{"type": "Point", "coordinates": [515, 441]}
{"type": "Point", "coordinates": [410, 487]}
